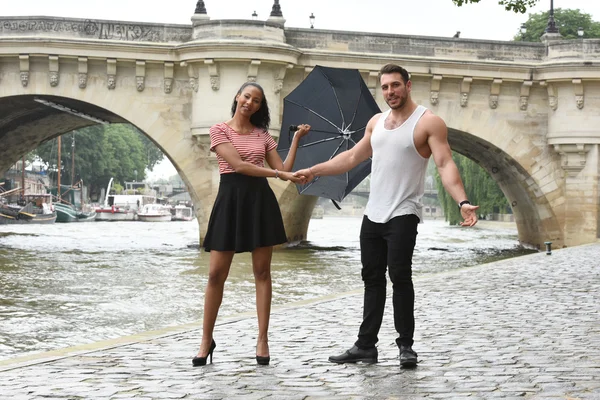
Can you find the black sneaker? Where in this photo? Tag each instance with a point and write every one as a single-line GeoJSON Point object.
{"type": "Point", "coordinates": [355, 354]}
{"type": "Point", "coordinates": [408, 357]}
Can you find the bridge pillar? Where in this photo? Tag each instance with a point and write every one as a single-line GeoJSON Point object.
{"type": "Point", "coordinates": [215, 80]}
{"type": "Point", "coordinates": [575, 137]}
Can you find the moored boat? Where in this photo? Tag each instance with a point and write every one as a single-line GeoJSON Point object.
{"type": "Point", "coordinates": [37, 210]}
{"type": "Point", "coordinates": [68, 213]}
{"type": "Point", "coordinates": [114, 213]}
{"type": "Point", "coordinates": [182, 213]}
{"type": "Point", "coordinates": [121, 207]}
{"type": "Point", "coordinates": [154, 213]}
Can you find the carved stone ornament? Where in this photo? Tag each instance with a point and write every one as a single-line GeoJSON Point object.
{"type": "Point", "coordinates": [464, 99]}
{"type": "Point", "coordinates": [251, 79]}
{"type": "Point", "coordinates": [24, 78]}
{"type": "Point", "coordinates": [168, 85]}
{"type": "Point", "coordinates": [553, 102]}
{"type": "Point", "coordinates": [140, 83]}
{"type": "Point", "coordinates": [573, 157]}
{"type": "Point", "coordinates": [523, 101]}
{"type": "Point", "coordinates": [83, 80]}
{"type": "Point", "coordinates": [434, 97]}
{"type": "Point", "coordinates": [579, 101]}
{"type": "Point", "coordinates": [215, 82]}
{"type": "Point", "coordinates": [493, 101]}
{"type": "Point", "coordinates": [194, 84]}
{"type": "Point", "coordinates": [278, 86]}
{"type": "Point", "coordinates": [111, 82]}
{"type": "Point", "coordinates": [53, 78]}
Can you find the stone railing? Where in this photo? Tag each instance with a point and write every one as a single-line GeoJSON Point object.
{"type": "Point", "coordinates": [306, 40]}
{"type": "Point", "coordinates": [416, 46]}
{"type": "Point", "coordinates": [93, 29]}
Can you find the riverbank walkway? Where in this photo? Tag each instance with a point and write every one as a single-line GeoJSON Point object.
{"type": "Point", "coordinates": [527, 327]}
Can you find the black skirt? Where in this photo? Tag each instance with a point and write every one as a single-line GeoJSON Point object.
{"type": "Point", "coordinates": [245, 216]}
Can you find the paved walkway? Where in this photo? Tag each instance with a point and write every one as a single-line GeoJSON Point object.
{"type": "Point", "coordinates": [521, 328]}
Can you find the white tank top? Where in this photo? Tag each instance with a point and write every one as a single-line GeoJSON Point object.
{"type": "Point", "coordinates": [397, 171]}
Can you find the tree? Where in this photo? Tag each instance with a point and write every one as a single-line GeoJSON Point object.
{"type": "Point", "coordinates": [567, 21]}
{"type": "Point", "coordinates": [154, 154]}
{"type": "Point", "coordinates": [481, 190]}
{"type": "Point", "coordinates": [102, 152]}
{"type": "Point", "coordinates": [517, 6]}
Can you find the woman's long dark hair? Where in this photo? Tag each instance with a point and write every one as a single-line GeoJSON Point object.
{"type": "Point", "coordinates": [261, 117]}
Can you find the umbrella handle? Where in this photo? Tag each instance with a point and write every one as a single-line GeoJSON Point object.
{"type": "Point", "coordinates": [292, 128]}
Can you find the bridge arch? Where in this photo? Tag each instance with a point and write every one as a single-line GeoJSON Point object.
{"type": "Point", "coordinates": [534, 215]}
{"type": "Point", "coordinates": [29, 117]}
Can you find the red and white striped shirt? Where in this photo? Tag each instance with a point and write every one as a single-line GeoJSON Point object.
{"type": "Point", "coordinates": [252, 147]}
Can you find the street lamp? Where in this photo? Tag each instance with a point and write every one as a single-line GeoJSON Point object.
{"type": "Point", "coordinates": [312, 20]}
{"type": "Point", "coordinates": [551, 27]}
{"type": "Point", "coordinates": [580, 32]}
{"type": "Point", "coordinates": [523, 31]}
{"type": "Point", "coordinates": [254, 15]}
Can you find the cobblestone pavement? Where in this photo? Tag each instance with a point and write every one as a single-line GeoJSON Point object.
{"type": "Point", "coordinates": [528, 327]}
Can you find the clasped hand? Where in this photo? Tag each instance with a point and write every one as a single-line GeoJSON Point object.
{"type": "Point", "coordinates": [291, 176]}
{"type": "Point", "coordinates": [305, 175]}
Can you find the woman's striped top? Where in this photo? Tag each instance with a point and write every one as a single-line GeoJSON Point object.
{"type": "Point", "coordinates": [252, 147]}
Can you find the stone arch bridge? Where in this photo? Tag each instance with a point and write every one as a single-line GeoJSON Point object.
{"type": "Point", "coordinates": [526, 112]}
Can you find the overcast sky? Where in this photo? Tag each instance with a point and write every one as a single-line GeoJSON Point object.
{"type": "Point", "coordinates": [486, 20]}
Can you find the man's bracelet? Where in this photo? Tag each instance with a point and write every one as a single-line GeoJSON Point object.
{"type": "Point", "coordinates": [462, 203]}
{"type": "Point", "coordinates": [276, 174]}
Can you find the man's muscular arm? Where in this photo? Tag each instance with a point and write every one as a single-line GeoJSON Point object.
{"type": "Point", "coordinates": [437, 139]}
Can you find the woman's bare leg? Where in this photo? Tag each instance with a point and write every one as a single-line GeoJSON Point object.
{"type": "Point", "coordinates": [219, 265]}
{"type": "Point", "coordinates": [261, 266]}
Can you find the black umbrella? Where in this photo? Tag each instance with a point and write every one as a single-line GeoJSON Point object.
{"type": "Point", "coordinates": [337, 104]}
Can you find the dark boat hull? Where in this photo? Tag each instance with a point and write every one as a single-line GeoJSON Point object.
{"type": "Point", "coordinates": [66, 213]}
{"type": "Point", "coordinates": [7, 219]}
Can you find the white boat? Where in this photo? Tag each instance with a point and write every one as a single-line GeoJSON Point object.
{"type": "Point", "coordinates": [121, 207]}
{"type": "Point", "coordinates": [154, 213]}
{"type": "Point", "coordinates": [114, 213]}
{"type": "Point", "coordinates": [182, 213]}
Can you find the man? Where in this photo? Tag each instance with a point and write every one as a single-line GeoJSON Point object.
{"type": "Point", "coordinates": [400, 140]}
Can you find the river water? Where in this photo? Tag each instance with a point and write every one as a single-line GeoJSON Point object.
{"type": "Point", "coordinates": [67, 284]}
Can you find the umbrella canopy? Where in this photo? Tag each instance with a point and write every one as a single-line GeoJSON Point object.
{"type": "Point", "coordinates": [337, 104]}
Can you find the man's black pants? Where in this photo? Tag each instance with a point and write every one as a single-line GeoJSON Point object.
{"type": "Point", "coordinates": [390, 244]}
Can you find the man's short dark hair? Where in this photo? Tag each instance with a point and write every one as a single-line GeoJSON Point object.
{"type": "Point", "coordinates": [392, 69]}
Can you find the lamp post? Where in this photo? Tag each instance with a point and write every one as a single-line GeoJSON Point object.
{"type": "Point", "coordinates": [551, 27]}
{"type": "Point", "coordinates": [312, 20]}
{"type": "Point", "coordinates": [580, 32]}
{"type": "Point", "coordinates": [523, 31]}
{"type": "Point", "coordinates": [254, 16]}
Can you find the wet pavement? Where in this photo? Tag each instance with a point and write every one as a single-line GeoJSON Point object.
{"type": "Point", "coordinates": [526, 327]}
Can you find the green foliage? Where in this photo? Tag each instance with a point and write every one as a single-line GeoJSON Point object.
{"type": "Point", "coordinates": [517, 6]}
{"type": "Point", "coordinates": [153, 153]}
{"type": "Point", "coordinates": [567, 21]}
{"type": "Point", "coordinates": [117, 188]}
{"type": "Point", "coordinates": [102, 152]}
{"type": "Point", "coordinates": [481, 190]}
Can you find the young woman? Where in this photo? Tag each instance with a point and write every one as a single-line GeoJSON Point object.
{"type": "Point", "coordinates": [246, 215]}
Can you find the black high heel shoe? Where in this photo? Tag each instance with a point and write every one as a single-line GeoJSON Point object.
{"type": "Point", "coordinates": [260, 360]}
{"type": "Point", "coordinates": [200, 361]}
